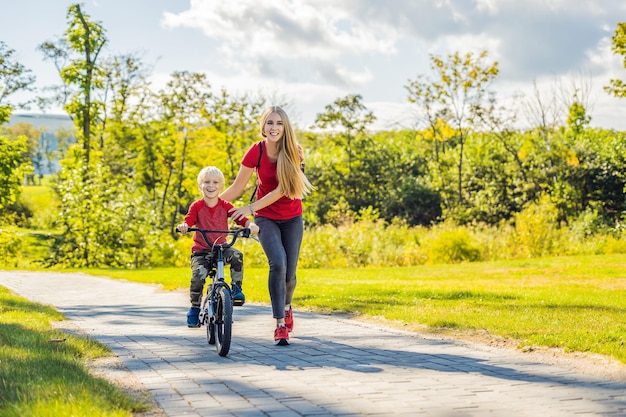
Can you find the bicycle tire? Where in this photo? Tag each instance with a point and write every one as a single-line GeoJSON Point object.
{"type": "Point", "coordinates": [210, 332]}
{"type": "Point", "coordinates": [207, 319]}
{"type": "Point", "coordinates": [223, 324]}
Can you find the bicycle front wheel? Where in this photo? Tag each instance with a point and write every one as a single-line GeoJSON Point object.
{"type": "Point", "coordinates": [223, 323]}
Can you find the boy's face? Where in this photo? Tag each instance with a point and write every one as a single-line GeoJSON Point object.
{"type": "Point", "coordinates": [211, 186]}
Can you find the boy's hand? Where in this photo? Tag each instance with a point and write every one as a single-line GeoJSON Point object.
{"type": "Point", "coordinates": [182, 228]}
{"type": "Point", "coordinates": [254, 229]}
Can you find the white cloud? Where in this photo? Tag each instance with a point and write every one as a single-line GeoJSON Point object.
{"type": "Point", "coordinates": [287, 30]}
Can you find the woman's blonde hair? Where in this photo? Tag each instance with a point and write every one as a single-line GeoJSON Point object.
{"type": "Point", "coordinates": [293, 182]}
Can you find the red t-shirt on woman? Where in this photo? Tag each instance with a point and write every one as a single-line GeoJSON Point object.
{"type": "Point", "coordinates": [283, 209]}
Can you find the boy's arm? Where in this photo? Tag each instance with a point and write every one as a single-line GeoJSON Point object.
{"type": "Point", "coordinates": [188, 222]}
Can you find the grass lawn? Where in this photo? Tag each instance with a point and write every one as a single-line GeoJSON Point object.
{"type": "Point", "coordinates": [573, 303]}
{"type": "Point", "coordinates": [43, 371]}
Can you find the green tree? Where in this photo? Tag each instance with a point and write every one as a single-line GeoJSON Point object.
{"type": "Point", "coordinates": [350, 119]}
{"type": "Point", "coordinates": [14, 162]}
{"type": "Point", "coordinates": [235, 123]}
{"type": "Point", "coordinates": [115, 226]}
{"type": "Point", "coordinates": [126, 113]}
{"type": "Point", "coordinates": [453, 98]}
{"type": "Point", "coordinates": [36, 144]}
{"type": "Point", "coordinates": [337, 171]}
{"type": "Point", "coordinates": [617, 87]}
{"type": "Point", "coordinates": [14, 77]}
{"type": "Point", "coordinates": [182, 104]}
{"type": "Point", "coordinates": [578, 119]}
{"type": "Point", "coordinates": [358, 171]}
{"type": "Point", "coordinates": [81, 44]}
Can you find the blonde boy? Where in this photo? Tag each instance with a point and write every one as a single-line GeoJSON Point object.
{"type": "Point", "coordinates": [211, 212]}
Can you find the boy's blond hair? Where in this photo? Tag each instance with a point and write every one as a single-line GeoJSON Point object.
{"type": "Point", "coordinates": [210, 171]}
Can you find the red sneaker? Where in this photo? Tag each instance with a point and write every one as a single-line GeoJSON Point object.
{"type": "Point", "coordinates": [281, 336]}
{"type": "Point", "coordinates": [289, 319]}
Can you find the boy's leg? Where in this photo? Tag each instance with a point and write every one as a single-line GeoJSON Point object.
{"type": "Point", "coordinates": [199, 272]}
{"type": "Point", "coordinates": [234, 258]}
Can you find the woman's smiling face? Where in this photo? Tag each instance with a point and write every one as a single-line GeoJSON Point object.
{"type": "Point", "coordinates": [274, 129]}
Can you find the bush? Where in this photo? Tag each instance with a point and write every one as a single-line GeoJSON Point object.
{"type": "Point", "coordinates": [613, 245]}
{"type": "Point", "coordinates": [536, 230]}
{"type": "Point", "coordinates": [452, 244]}
{"type": "Point", "coordinates": [10, 246]}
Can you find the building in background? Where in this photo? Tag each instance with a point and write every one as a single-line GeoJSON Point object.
{"type": "Point", "coordinates": [57, 132]}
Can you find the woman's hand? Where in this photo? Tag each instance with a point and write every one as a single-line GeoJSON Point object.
{"type": "Point", "coordinates": [241, 213]}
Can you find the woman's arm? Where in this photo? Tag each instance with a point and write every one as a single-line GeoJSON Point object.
{"type": "Point", "coordinates": [250, 209]}
{"type": "Point", "coordinates": [237, 187]}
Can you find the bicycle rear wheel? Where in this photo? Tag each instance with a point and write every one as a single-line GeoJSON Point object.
{"type": "Point", "coordinates": [223, 320]}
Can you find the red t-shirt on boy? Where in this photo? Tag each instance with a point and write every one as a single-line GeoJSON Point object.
{"type": "Point", "coordinates": [213, 218]}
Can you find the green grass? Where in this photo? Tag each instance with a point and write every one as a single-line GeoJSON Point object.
{"type": "Point", "coordinates": [43, 202]}
{"type": "Point", "coordinates": [43, 371]}
{"type": "Point", "coordinates": [573, 303]}
{"type": "Point", "coordinates": [36, 247]}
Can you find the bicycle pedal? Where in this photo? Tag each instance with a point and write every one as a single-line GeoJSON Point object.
{"type": "Point", "coordinates": [238, 303]}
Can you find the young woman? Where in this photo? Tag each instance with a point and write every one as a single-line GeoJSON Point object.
{"type": "Point", "coordinates": [277, 209]}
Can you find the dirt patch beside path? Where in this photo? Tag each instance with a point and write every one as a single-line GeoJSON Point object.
{"type": "Point", "coordinates": [585, 363]}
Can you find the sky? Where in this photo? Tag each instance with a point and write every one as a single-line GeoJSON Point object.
{"type": "Point", "coordinates": [309, 53]}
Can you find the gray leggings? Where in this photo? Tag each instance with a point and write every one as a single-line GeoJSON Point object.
{"type": "Point", "coordinates": [281, 240]}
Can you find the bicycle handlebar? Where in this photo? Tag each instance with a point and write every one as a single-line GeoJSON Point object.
{"type": "Point", "coordinates": [244, 231]}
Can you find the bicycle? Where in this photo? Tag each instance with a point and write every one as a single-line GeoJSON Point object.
{"type": "Point", "coordinates": [216, 312]}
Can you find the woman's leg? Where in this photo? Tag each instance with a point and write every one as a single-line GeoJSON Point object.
{"type": "Point", "coordinates": [271, 241]}
{"type": "Point", "coordinates": [281, 242]}
{"type": "Point", "coordinates": [292, 232]}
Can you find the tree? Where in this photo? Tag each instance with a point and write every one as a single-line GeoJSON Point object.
{"type": "Point", "coordinates": [85, 39]}
{"type": "Point", "coordinates": [184, 100]}
{"type": "Point", "coordinates": [13, 161]}
{"type": "Point", "coordinates": [235, 121]}
{"type": "Point", "coordinates": [14, 77]}
{"type": "Point", "coordinates": [125, 114]}
{"type": "Point", "coordinates": [617, 88]}
{"type": "Point", "coordinates": [453, 98]}
{"type": "Point", "coordinates": [351, 118]}
{"type": "Point", "coordinates": [346, 121]}
{"type": "Point", "coordinates": [37, 150]}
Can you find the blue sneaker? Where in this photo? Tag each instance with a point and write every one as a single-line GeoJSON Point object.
{"type": "Point", "coordinates": [193, 319]}
{"type": "Point", "coordinates": [238, 298]}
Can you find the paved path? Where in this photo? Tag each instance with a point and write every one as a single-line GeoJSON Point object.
{"type": "Point", "coordinates": [334, 367]}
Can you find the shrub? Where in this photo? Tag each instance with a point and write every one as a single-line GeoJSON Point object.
{"type": "Point", "coordinates": [453, 244]}
{"type": "Point", "coordinates": [536, 229]}
{"type": "Point", "coordinates": [613, 245]}
{"type": "Point", "coordinates": [10, 246]}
